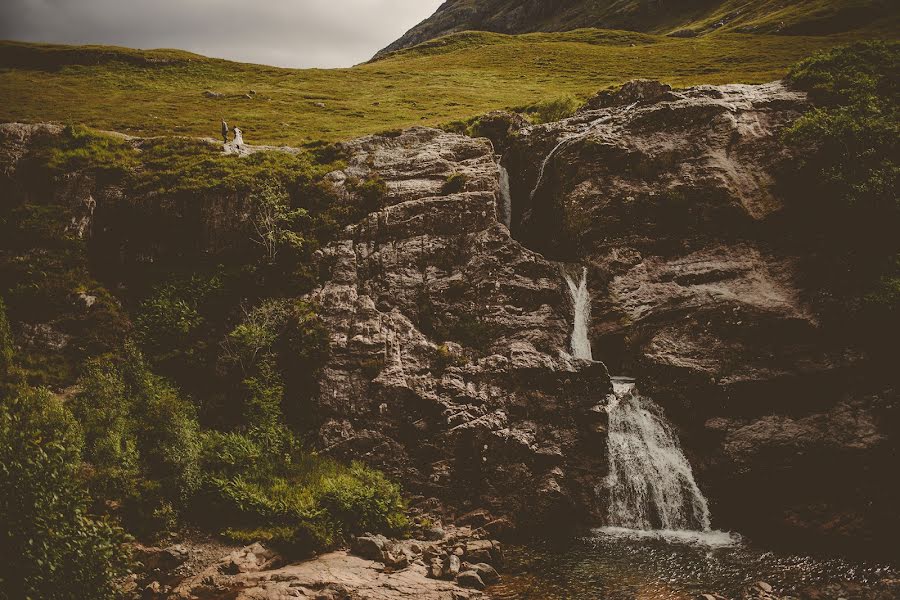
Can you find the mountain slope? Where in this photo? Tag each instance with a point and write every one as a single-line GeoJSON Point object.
{"type": "Point", "coordinates": [455, 78]}
{"type": "Point", "coordinates": [691, 17]}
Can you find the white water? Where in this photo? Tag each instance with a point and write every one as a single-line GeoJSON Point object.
{"type": "Point", "coordinates": [651, 483]}
{"type": "Point", "coordinates": [547, 159]}
{"type": "Point", "coordinates": [581, 297]}
{"type": "Point", "coordinates": [505, 212]}
{"type": "Point", "coordinates": [557, 147]}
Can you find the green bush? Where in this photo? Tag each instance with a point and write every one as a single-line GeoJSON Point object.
{"type": "Point", "coordinates": [849, 143]}
{"type": "Point", "coordinates": [847, 181]}
{"type": "Point", "coordinates": [361, 500]}
{"type": "Point", "coordinates": [52, 548]}
{"type": "Point", "coordinates": [372, 193]}
{"type": "Point", "coordinates": [142, 438]}
{"type": "Point", "coordinates": [548, 111]}
{"type": "Point", "coordinates": [310, 503]}
{"type": "Point", "coordinates": [6, 342]}
{"type": "Point", "coordinates": [455, 183]}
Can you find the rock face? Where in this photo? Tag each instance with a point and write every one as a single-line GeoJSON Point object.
{"type": "Point", "coordinates": [449, 360]}
{"type": "Point", "coordinates": [671, 199]}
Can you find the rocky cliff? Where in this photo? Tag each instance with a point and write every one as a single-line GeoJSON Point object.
{"type": "Point", "coordinates": [450, 365]}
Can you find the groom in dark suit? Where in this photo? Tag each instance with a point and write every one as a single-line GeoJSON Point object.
{"type": "Point", "coordinates": [224, 131]}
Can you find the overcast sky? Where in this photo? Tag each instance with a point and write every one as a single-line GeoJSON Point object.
{"type": "Point", "coordinates": [287, 33]}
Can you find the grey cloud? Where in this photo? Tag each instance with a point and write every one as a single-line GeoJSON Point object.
{"type": "Point", "coordinates": [289, 33]}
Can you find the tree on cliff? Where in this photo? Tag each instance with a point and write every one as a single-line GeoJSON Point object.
{"type": "Point", "coordinates": [273, 219]}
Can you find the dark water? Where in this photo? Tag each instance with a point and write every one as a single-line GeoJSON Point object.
{"type": "Point", "coordinates": [625, 567]}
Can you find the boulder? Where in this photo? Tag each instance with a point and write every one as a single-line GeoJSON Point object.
{"type": "Point", "coordinates": [250, 559]}
{"type": "Point", "coordinates": [487, 573]}
{"type": "Point", "coordinates": [372, 547]}
{"type": "Point", "coordinates": [470, 579]}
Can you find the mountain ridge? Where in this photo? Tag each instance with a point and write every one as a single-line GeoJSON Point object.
{"type": "Point", "coordinates": [691, 18]}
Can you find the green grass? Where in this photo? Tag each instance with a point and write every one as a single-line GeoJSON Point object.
{"type": "Point", "coordinates": [452, 79]}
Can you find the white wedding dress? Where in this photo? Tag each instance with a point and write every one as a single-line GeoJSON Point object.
{"type": "Point", "coordinates": [238, 137]}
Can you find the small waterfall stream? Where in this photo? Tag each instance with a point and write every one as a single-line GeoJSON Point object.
{"type": "Point", "coordinates": [563, 142]}
{"type": "Point", "coordinates": [505, 208]}
{"type": "Point", "coordinates": [581, 297]}
{"type": "Point", "coordinates": [651, 484]}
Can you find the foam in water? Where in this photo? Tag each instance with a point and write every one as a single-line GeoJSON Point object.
{"type": "Point", "coordinates": [505, 212]}
{"type": "Point", "coordinates": [710, 539]}
{"type": "Point", "coordinates": [651, 484]}
{"type": "Point", "coordinates": [581, 297]}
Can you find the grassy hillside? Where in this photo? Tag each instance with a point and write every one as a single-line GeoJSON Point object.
{"type": "Point", "coordinates": [811, 17]}
{"type": "Point", "coordinates": [170, 92]}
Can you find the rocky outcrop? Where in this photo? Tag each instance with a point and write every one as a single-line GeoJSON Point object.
{"type": "Point", "coordinates": [455, 567]}
{"type": "Point", "coordinates": [672, 200]}
{"type": "Point", "coordinates": [449, 366]}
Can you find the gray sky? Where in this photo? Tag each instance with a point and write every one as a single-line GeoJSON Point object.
{"type": "Point", "coordinates": [287, 33]}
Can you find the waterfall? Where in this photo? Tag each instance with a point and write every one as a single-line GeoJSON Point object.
{"type": "Point", "coordinates": [651, 482]}
{"type": "Point", "coordinates": [547, 159]}
{"type": "Point", "coordinates": [505, 208]}
{"type": "Point", "coordinates": [566, 140]}
{"type": "Point", "coordinates": [581, 297]}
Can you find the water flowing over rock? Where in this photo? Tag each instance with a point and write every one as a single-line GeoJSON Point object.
{"type": "Point", "coordinates": [651, 482]}
{"type": "Point", "coordinates": [505, 207]}
{"type": "Point", "coordinates": [701, 288]}
{"type": "Point", "coordinates": [581, 298]}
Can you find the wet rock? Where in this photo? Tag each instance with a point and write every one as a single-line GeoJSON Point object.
{"type": "Point", "coordinates": [470, 579]}
{"type": "Point", "coordinates": [487, 573]}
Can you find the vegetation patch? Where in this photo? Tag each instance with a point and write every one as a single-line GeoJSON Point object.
{"type": "Point", "coordinates": [847, 177]}
{"type": "Point", "coordinates": [451, 80]}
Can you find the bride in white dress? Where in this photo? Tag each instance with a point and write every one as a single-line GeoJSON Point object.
{"type": "Point", "coordinates": [238, 137]}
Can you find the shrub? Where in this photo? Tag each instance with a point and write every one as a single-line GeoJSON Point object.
{"type": "Point", "coordinates": [372, 193]}
{"type": "Point", "coordinates": [274, 221]}
{"type": "Point", "coordinates": [142, 437]}
{"type": "Point", "coordinates": [455, 183]}
{"type": "Point", "coordinates": [849, 143]}
{"type": "Point", "coordinates": [548, 111]}
{"type": "Point", "coordinates": [52, 548]}
{"type": "Point", "coordinates": [361, 500]}
{"type": "Point", "coordinates": [310, 504]}
{"type": "Point", "coordinates": [6, 342]}
{"type": "Point", "coordinates": [846, 181]}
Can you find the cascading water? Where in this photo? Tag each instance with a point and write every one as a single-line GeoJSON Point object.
{"type": "Point", "coordinates": [581, 297]}
{"type": "Point", "coordinates": [651, 484]}
{"type": "Point", "coordinates": [505, 212]}
{"type": "Point", "coordinates": [563, 142]}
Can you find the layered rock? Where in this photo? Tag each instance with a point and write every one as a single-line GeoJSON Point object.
{"type": "Point", "coordinates": [672, 200]}
{"type": "Point", "coordinates": [449, 366]}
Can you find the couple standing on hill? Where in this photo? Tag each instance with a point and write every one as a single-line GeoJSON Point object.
{"type": "Point", "coordinates": [238, 134]}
